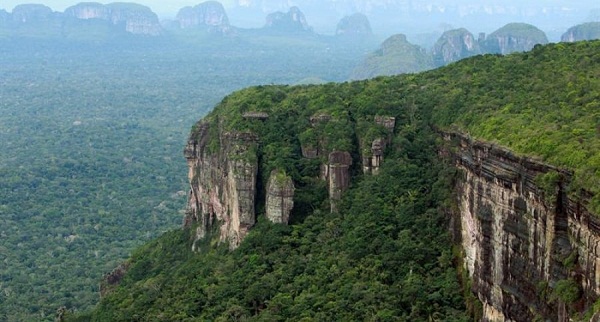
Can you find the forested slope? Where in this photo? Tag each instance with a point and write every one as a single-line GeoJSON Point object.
{"type": "Point", "coordinates": [91, 135]}
{"type": "Point", "coordinates": [386, 253]}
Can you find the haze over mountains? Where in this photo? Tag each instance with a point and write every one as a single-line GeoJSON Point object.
{"type": "Point", "coordinates": [97, 99]}
{"type": "Point", "coordinates": [393, 16]}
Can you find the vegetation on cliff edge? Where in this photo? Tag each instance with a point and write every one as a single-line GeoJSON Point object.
{"type": "Point", "coordinates": [385, 255]}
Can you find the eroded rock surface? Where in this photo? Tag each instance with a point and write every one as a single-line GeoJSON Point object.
{"type": "Point", "coordinates": [222, 183]}
{"type": "Point", "coordinates": [209, 14]}
{"type": "Point", "coordinates": [338, 174]}
{"type": "Point", "coordinates": [520, 240]}
{"type": "Point", "coordinates": [280, 197]}
{"type": "Point", "coordinates": [455, 45]}
{"type": "Point", "coordinates": [135, 18]}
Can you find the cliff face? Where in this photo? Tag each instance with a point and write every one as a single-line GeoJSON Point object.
{"type": "Point", "coordinates": [209, 14]}
{"type": "Point", "coordinates": [231, 172]}
{"type": "Point", "coordinates": [292, 21]}
{"type": "Point", "coordinates": [222, 184]}
{"type": "Point", "coordinates": [455, 45]}
{"type": "Point", "coordinates": [134, 18]}
{"type": "Point", "coordinates": [523, 244]}
{"type": "Point", "coordinates": [90, 10]}
{"type": "Point", "coordinates": [354, 25]}
{"type": "Point", "coordinates": [586, 31]}
{"type": "Point", "coordinates": [280, 197]}
{"type": "Point", "coordinates": [514, 37]}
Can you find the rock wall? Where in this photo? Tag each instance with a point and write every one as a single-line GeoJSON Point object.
{"type": "Point", "coordinates": [372, 150]}
{"type": "Point", "coordinates": [222, 184]}
{"type": "Point", "coordinates": [280, 197]}
{"type": "Point", "coordinates": [455, 45]}
{"type": "Point", "coordinates": [354, 25]}
{"type": "Point", "coordinates": [520, 241]}
{"type": "Point", "coordinates": [209, 14]}
{"type": "Point", "coordinates": [514, 37]}
{"type": "Point", "coordinates": [338, 176]}
{"type": "Point", "coordinates": [134, 18]}
{"type": "Point", "coordinates": [292, 21]}
{"type": "Point", "coordinates": [585, 31]}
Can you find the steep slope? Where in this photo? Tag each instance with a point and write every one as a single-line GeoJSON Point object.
{"type": "Point", "coordinates": [514, 37]}
{"type": "Point", "coordinates": [396, 56]}
{"type": "Point", "coordinates": [527, 229]}
{"type": "Point", "coordinates": [356, 25]}
{"type": "Point", "coordinates": [208, 15]}
{"type": "Point", "coordinates": [291, 21]}
{"type": "Point", "coordinates": [381, 254]}
{"type": "Point", "coordinates": [455, 45]}
{"type": "Point", "coordinates": [91, 18]}
{"type": "Point", "coordinates": [585, 31]}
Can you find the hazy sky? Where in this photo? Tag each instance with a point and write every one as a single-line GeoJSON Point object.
{"type": "Point", "coordinates": [169, 8]}
{"type": "Point", "coordinates": [164, 8]}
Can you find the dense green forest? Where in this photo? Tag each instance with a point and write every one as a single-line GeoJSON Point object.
{"type": "Point", "coordinates": [91, 135]}
{"type": "Point", "coordinates": [386, 254]}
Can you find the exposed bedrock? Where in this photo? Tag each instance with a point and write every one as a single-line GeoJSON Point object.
{"type": "Point", "coordinates": [523, 243]}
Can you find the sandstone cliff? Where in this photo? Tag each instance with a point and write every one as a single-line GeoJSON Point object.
{"type": "Point", "coordinates": [525, 241]}
{"type": "Point", "coordinates": [210, 15]}
{"type": "Point", "coordinates": [240, 164]}
{"type": "Point", "coordinates": [222, 183]}
{"type": "Point", "coordinates": [454, 45]}
{"type": "Point", "coordinates": [132, 18]}
{"type": "Point", "coordinates": [292, 21]}
{"type": "Point", "coordinates": [514, 37]}
{"type": "Point", "coordinates": [354, 25]}
{"type": "Point", "coordinates": [280, 197]}
{"type": "Point", "coordinates": [585, 31]}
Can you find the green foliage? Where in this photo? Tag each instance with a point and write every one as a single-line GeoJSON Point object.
{"type": "Point", "coordinates": [396, 56]}
{"type": "Point", "coordinates": [91, 136]}
{"type": "Point", "coordinates": [85, 143]}
{"type": "Point", "coordinates": [386, 253]}
{"type": "Point", "coordinates": [566, 290]}
{"type": "Point", "coordinates": [384, 256]}
{"type": "Point", "coordinates": [549, 184]}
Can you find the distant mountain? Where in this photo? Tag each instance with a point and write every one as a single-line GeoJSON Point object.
{"type": "Point", "coordinates": [209, 15]}
{"type": "Point", "coordinates": [31, 13]}
{"type": "Point", "coordinates": [455, 45]}
{"type": "Point", "coordinates": [354, 25]}
{"type": "Point", "coordinates": [585, 31]}
{"type": "Point", "coordinates": [389, 16]}
{"type": "Point", "coordinates": [132, 17]}
{"type": "Point", "coordinates": [514, 37]}
{"type": "Point", "coordinates": [94, 19]}
{"type": "Point", "coordinates": [396, 56]}
{"type": "Point", "coordinates": [292, 21]}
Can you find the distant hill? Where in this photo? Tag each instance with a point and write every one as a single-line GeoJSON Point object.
{"type": "Point", "coordinates": [354, 25]}
{"type": "Point", "coordinates": [455, 45]}
{"type": "Point", "coordinates": [514, 37]}
{"type": "Point", "coordinates": [84, 19]}
{"type": "Point", "coordinates": [291, 21]}
{"type": "Point", "coordinates": [585, 31]}
{"type": "Point", "coordinates": [396, 56]}
{"type": "Point", "coordinates": [209, 15]}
